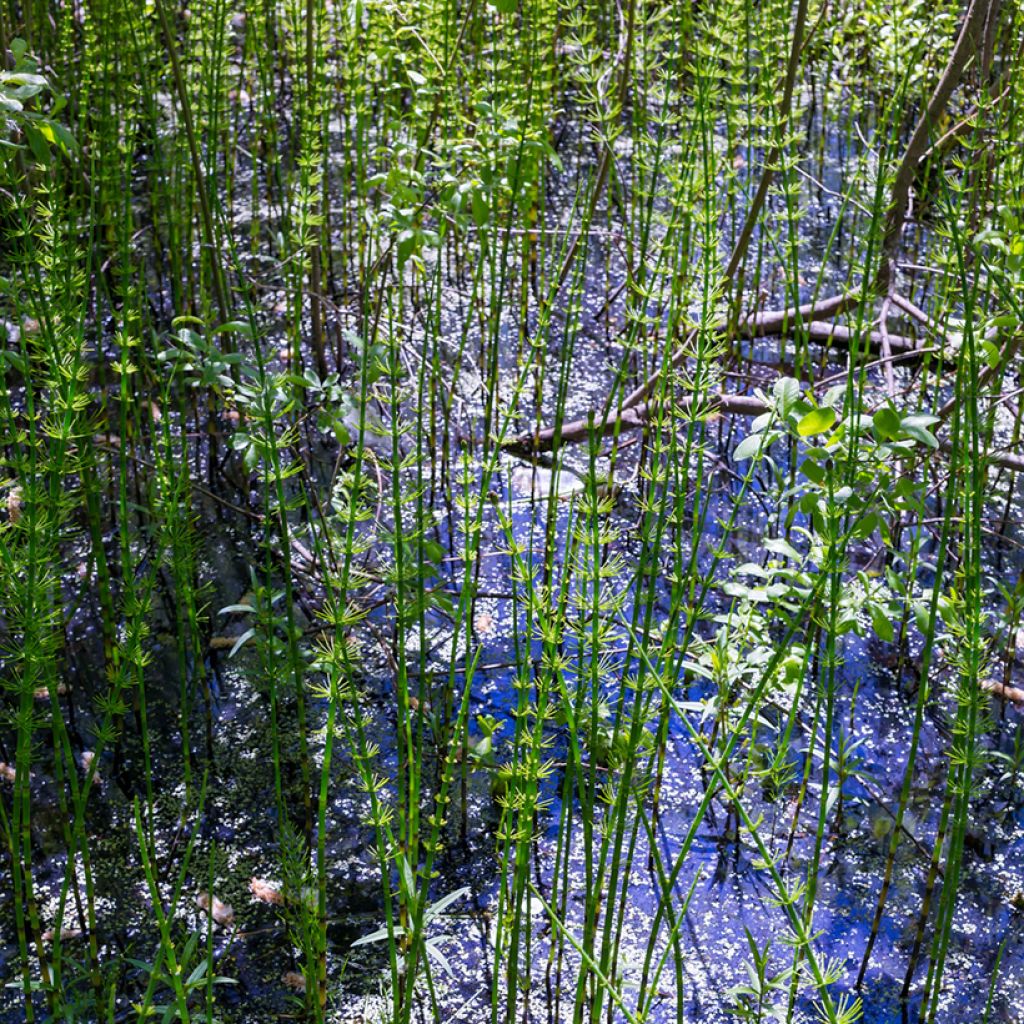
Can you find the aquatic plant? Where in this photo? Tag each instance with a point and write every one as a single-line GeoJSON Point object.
{"type": "Point", "coordinates": [510, 508]}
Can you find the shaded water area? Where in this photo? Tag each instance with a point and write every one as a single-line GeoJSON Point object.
{"type": "Point", "coordinates": [729, 901]}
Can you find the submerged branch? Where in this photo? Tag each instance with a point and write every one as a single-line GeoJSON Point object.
{"type": "Point", "coordinates": [757, 325]}
{"type": "Point", "coordinates": [712, 403]}
{"type": "Point", "coordinates": [633, 411]}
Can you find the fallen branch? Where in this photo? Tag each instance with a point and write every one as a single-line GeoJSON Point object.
{"type": "Point", "coordinates": [633, 411]}
{"type": "Point", "coordinates": [1008, 353]}
{"type": "Point", "coordinates": [1002, 459]}
{"type": "Point", "coordinates": [757, 325]}
{"type": "Point", "coordinates": [756, 203]}
{"type": "Point", "coordinates": [879, 341]}
{"type": "Point", "coordinates": [716, 402]}
{"type": "Point", "coordinates": [883, 325]}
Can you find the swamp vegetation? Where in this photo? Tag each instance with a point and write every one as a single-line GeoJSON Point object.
{"type": "Point", "coordinates": [511, 511]}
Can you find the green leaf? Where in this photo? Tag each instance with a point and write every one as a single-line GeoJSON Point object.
{"type": "Point", "coordinates": [923, 615]}
{"type": "Point", "coordinates": [37, 144]}
{"type": "Point", "coordinates": [15, 360]}
{"type": "Point", "coordinates": [234, 327]}
{"type": "Point", "coordinates": [480, 208]}
{"type": "Point", "coordinates": [881, 623]}
{"type": "Point", "coordinates": [917, 428]}
{"type": "Point", "coordinates": [787, 394]}
{"type": "Point", "coordinates": [817, 421]}
{"type": "Point", "coordinates": [886, 423]}
{"type": "Point", "coordinates": [809, 502]}
{"type": "Point", "coordinates": [848, 624]}
{"type": "Point", "coordinates": [435, 552]}
{"type": "Point", "coordinates": [197, 974]}
{"type": "Point", "coordinates": [748, 447]}
{"type": "Point", "coordinates": [813, 471]}
{"type": "Point", "coordinates": [867, 525]}
{"type": "Point", "coordinates": [432, 947]}
{"type": "Point", "coordinates": [446, 901]}
{"type": "Point", "coordinates": [378, 936]}
{"type": "Point", "coordinates": [833, 398]}
{"type": "Point", "coordinates": [881, 827]}
{"type": "Point", "coordinates": [781, 546]}
{"type": "Point", "coordinates": [64, 137]}
{"type": "Point", "coordinates": [247, 635]}
{"type": "Point", "coordinates": [408, 878]}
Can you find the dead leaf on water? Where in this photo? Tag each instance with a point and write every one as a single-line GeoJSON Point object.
{"type": "Point", "coordinates": [222, 913]}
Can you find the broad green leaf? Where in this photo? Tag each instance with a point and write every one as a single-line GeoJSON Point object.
{"type": "Point", "coordinates": [917, 428]}
{"type": "Point", "coordinates": [748, 447]}
{"type": "Point", "coordinates": [787, 394]}
{"type": "Point", "coordinates": [813, 471]}
{"type": "Point", "coordinates": [234, 327]}
{"type": "Point", "coordinates": [922, 614]}
{"type": "Point", "coordinates": [781, 546]}
{"type": "Point", "coordinates": [886, 422]}
{"type": "Point", "coordinates": [881, 623]}
{"type": "Point", "coordinates": [480, 208]}
{"type": "Point", "coordinates": [817, 421]}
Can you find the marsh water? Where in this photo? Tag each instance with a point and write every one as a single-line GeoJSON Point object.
{"type": "Point", "coordinates": [720, 883]}
{"type": "Point", "coordinates": [987, 960]}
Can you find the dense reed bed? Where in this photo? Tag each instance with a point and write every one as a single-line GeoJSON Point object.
{"type": "Point", "coordinates": [511, 511]}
